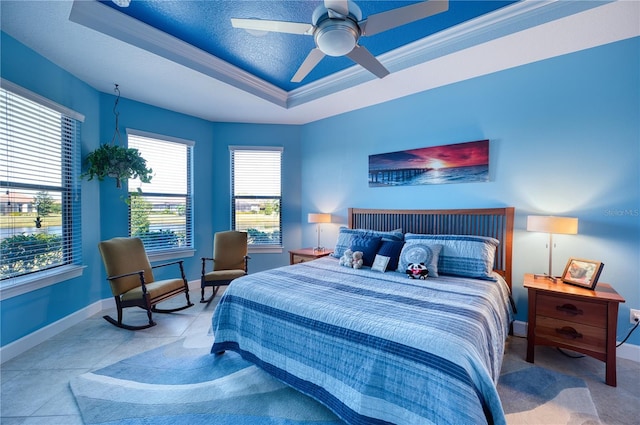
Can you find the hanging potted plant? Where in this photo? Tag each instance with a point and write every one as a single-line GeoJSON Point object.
{"type": "Point", "coordinates": [115, 160]}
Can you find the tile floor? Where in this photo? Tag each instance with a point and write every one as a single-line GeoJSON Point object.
{"type": "Point", "coordinates": [35, 389]}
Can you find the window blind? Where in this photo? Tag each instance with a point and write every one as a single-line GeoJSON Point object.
{"type": "Point", "coordinates": [40, 192]}
{"type": "Point", "coordinates": [256, 194]}
{"type": "Point", "coordinates": [161, 215]}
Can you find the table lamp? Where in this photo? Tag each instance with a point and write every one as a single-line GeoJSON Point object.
{"type": "Point", "coordinates": [551, 224]}
{"type": "Point", "coordinates": [319, 218]}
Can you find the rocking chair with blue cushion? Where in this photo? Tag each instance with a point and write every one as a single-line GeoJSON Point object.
{"type": "Point", "coordinates": [230, 261]}
{"type": "Point", "coordinates": [132, 282]}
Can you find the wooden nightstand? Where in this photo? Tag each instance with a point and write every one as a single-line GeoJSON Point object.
{"type": "Point", "coordinates": [306, 254]}
{"type": "Point", "coordinates": [574, 318]}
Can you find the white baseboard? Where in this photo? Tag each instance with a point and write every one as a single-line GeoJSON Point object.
{"type": "Point", "coordinates": [27, 342]}
{"type": "Point", "coordinates": [625, 351]}
{"type": "Point", "coordinates": [520, 328]}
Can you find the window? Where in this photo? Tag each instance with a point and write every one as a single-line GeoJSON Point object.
{"type": "Point", "coordinates": [161, 214]}
{"type": "Point", "coordinates": [256, 194]}
{"type": "Point", "coordinates": [40, 192]}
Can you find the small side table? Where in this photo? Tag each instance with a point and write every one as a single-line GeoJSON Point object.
{"type": "Point", "coordinates": [575, 318]}
{"type": "Point", "coordinates": [307, 254]}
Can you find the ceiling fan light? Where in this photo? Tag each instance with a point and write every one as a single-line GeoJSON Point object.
{"type": "Point", "coordinates": [336, 39]}
{"type": "Point", "coordinates": [122, 3]}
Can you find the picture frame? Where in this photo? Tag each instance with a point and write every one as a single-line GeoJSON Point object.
{"type": "Point", "coordinates": [380, 263]}
{"type": "Point", "coordinates": [466, 162]}
{"type": "Point", "coordinates": [581, 272]}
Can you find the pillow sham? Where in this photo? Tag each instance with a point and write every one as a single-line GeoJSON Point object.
{"type": "Point", "coordinates": [368, 245]}
{"type": "Point", "coordinates": [344, 238]}
{"type": "Point", "coordinates": [462, 255]}
{"type": "Point", "coordinates": [391, 249]}
{"type": "Point", "coordinates": [420, 252]}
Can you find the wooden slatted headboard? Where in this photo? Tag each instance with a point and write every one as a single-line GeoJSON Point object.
{"type": "Point", "coordinates": [493, 222]}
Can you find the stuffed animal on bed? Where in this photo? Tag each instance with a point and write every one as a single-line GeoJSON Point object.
{"type": "Point", "coordinates": [347, 258]}
{"type": "Point", "coordinates": [417, 271]}
{"type": "Point", "coordinates": [357, 260]}
{"type": "Point", "coordinates": [351, 259]}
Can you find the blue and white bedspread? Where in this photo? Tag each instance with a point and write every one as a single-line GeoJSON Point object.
{"type": "Point", "coordinates": [375, 348]}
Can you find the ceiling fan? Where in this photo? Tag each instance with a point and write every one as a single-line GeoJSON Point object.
{"type": "Point", "coordinates": [338, 25]}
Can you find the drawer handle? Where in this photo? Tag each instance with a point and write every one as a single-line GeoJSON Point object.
{"type": "Point", "coordinates": [569, 309]}
{"type": "Point", "coordinates": [569, 332]}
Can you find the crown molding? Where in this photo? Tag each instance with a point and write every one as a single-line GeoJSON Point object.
{"type": "Point", "coordinates": [101, 18]}
{"type": "Point", "coordinates": [508, 20]}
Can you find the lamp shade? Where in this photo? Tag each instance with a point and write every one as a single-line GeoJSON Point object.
{"type": "Point", "coordinates": [319, 218]}
{"type": "Point", "coordinates": [552, 224]}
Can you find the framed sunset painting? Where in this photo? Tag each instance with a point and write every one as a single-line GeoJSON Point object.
{"type": "Point", "coordinates": [458, 163]}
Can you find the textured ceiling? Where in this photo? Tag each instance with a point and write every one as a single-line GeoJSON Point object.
{"type": "Point", "coordinates": [274, 57]}
{"type": "Point", "coordinates": [100, 45]}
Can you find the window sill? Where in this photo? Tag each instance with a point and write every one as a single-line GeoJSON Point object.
{"type": "Point", "coordinates": [265, 249]}
{"type": "Point", "coordinates": [170, 255]}
{"type": "Point", "coordinates": [24, 284]}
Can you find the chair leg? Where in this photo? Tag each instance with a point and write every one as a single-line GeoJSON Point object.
{"type": "Point", "coordinates": [119, 323]}
{"type": "Point", "coordinates": [214, 290]}
{"type": "Point", "coordinates": [128, 327]}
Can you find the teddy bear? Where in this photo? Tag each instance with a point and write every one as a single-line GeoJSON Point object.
{"type": "Point", "coordinates": [352, 259]}
{"type": "Point", "coordinates": [347, 258]}
{"type": "Point", "coordinates": [417, 271]}
{"type": "Point", "coordinates": [357, 260]}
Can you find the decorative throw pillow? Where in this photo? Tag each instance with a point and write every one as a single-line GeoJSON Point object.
{"type": "Point", "coordinates": [392, 250]}
{"type": "Point", "coordinates": [368, 245]}
{"type": "Point", "coordinates": [417, 252]}
{"type": "Point", "coordinates": [344, 238]}
{"type": "Point", "coordinates": [462, 255]}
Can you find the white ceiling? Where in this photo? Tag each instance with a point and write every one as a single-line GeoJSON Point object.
{"type": "Point", "coordinates": [540, 30]}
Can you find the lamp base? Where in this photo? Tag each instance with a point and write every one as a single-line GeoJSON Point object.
{"type": "Point", "coordinates": [318, 249]}
{"type": "Point", "coordinates": [546, 276]}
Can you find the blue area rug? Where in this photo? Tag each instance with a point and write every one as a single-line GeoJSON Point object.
{"type": "Point", "coordinates": [534, 395]}
{"type": "Point", "coordinates": [177, 384]}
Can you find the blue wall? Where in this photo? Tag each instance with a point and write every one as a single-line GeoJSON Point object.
{"type": "Point", "coordinates": [565, 140]}
{"type": "Point", "coordinates": [24, 314]}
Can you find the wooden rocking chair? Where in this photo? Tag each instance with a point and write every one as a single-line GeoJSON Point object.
{"type": "Point", "coordinates": [230, 261]}
{"type": "Point", "coordinates": [132, 282]}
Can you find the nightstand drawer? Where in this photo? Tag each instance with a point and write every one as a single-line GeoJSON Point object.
{"type": "Point", "coordinates": [575, 334]}
{"type": "Point", "coordinates": [301, 259]}
{"type": "Point", "coordinates": [303, 255]}
{"type": "Point", "coordinates": [576, 311]}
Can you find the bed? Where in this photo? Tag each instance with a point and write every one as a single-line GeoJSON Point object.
{"type": "Point", "coordinates": [380, 347]}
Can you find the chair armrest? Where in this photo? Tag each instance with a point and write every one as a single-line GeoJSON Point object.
{"type": "Point", "coordinates": [140, 272]}
{"type": "Point", "coordinates": [168, 264]}
{"type": "Point", "coordinates": [246, 263]}
{"type": "Point", "coordinates": [204, 262]}
{"type": "Point", "coordinates": [180, 263]}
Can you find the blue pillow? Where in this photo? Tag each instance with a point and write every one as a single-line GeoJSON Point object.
{"type": "Point", "coordinates": [419, 252]}
{"type": "Point", "coordinates": [462, 255]}
{"type": "Point", "coordinates": [392, 250]}
{"type": "Point", "coordinates": [344, 238]}
{"type": "Point", "coordinates": [368, 245]}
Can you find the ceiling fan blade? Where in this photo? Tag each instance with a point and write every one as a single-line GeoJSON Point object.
{"type": "Point", "coordinates": [384, 21]}
{"type": "Point", "coordinates": [363, 57]}
{"type": "Point", "coordinates": [272, 26]}
{"type": "Point", "coordinates": [340, 6]}
{"type": "Point", "coordinates": [309, 63]}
